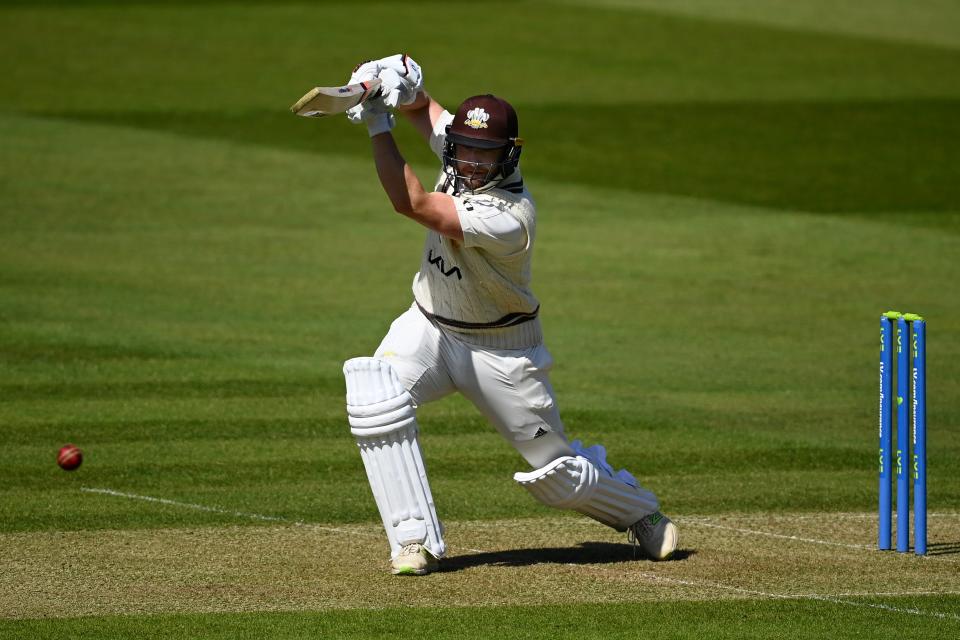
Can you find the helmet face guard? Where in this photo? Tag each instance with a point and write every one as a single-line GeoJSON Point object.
{"type": "Point", "coordinates": [490, 174]}
{"type": "Point", "coordinates": [481, 122]}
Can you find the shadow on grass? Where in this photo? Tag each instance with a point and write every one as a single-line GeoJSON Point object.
{"type": "Point", "coordinates": [853, 156]}
{"type": "Point", "coordinates": [584, 553]}
{"type": "Point", "coordinates": [943, 548]}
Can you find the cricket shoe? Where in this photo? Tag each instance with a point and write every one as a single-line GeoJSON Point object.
{"type": "Point", "coordinates": [414, 560]}
{"type": "Point", "coordinates": [655, 534]}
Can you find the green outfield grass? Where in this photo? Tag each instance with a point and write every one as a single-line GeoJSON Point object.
{"type": "Point", "coordinates": [728, 198]}
{"type": "Point", "coordinates": [673, 620]}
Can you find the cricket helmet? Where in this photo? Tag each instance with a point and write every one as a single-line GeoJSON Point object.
{"type": "Point", "coordinates": [483, 122]}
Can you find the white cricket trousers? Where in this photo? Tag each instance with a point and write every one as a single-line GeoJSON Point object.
{"type": "Point", "coordinates": [510, 387]}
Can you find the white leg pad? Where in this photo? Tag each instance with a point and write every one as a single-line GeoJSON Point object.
{"type": "Point", "coordinates": [384, 422]}
{"type": "Point", "coordinates": [586, 483]}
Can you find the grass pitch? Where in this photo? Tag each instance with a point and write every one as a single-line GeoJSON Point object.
{"type": "Point", "coordinates": [728, 199]}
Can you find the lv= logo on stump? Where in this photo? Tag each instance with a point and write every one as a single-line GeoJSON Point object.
{"type": "Point", "coordinates": [911, 425]}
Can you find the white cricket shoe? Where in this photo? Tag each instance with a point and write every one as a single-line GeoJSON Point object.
{"type": "Point", "coordinates": [414, 560]}
{"type": "Point", "coordinates": [656, 534]}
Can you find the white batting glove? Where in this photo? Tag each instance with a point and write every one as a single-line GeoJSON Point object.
{"type": "Point", "coordinates": [373, 112]}
{"type": "Point", "coordinates": [400, 76]}
{"type": "Point", "coordinates": [377, 117]}
{"type": "Point", "coordinates": [402, 79]}
{"type": "Point", "coordinates": [364, 72]}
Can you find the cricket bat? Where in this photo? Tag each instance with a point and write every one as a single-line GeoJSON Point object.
{"type": "Point", "coordinates": [325, 101]}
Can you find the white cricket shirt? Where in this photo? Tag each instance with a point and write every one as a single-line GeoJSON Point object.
{"type": "Point", "coordinates": [479, 289]}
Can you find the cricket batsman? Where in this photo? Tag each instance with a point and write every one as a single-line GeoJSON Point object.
{"type": "Point", "coordinates": [473, 327]}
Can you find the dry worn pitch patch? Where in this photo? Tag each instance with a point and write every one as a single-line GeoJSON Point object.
{"type": "Point", "coordinates": [551, 560]}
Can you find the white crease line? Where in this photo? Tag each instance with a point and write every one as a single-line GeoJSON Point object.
{"type": "Point", "coordinates": [811, 596]}
{"type": "Point", "coordinates": [257, 516]}
{"type": "Point", "coordinates": [187, 505]}
{"type": "Point", "coordinates": [715, 585]}
{"type": "Point", "coordinates": [779, 517]}
{"type": "Point", "coordinates": [804, 596]}
{"type": "Point", "coordinates": [869, 594]}
{"type": "Point", "coordinates": [200, 507]}
{"type": "Point", "coordinates": [776, 535]}
{"type": "Point", "coordinates": [238, 514]}
{"type": "Point", "coordinates": [930, 556]}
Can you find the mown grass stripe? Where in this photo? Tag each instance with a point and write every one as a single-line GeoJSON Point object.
{"type": "Point", "coordinates": [723, 620]}
{"type": "Point", "coordinates": [844, 156]}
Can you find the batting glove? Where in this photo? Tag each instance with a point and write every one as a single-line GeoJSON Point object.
{"type": "Point", "coordinates": [402, 79]}
{"type": "Point", "coordinates": [377, 117]}
{"type": "Point", "coordinates": [373, 112]}
{"type": "Point", "coordinates": [400, 76]}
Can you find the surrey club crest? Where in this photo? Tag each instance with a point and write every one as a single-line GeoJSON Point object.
{"type": "Point", "coordinates": [477, 118]}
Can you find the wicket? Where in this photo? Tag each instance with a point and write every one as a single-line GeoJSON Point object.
{"type": "Point", "coordinates": [911, 341]}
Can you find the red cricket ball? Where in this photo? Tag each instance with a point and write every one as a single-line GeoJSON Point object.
{"type": "Point", "coordinates": [69, 457]}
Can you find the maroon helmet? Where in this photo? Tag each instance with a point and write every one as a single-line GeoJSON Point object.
{"type": "Point", "coordinates": [484, 122]}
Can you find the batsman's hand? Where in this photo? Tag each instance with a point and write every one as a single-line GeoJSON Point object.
{"type": "Point", "coordinates": [364, 72]}
{"type": "Point", "coordinates": [402, 79]}
{"type": "Point", "coordinates": [372, 111]}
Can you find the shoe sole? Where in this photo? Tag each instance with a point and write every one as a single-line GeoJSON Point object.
{"type": "Point", "coordinates": [410, 571]}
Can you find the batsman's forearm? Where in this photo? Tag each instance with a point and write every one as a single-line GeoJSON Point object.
{"type": "Point", "coordinates": [421, 101]}
{"type": "Point", "coordinates": [398, 179]}
{"type": "Point", "coordinates": [422, 113]}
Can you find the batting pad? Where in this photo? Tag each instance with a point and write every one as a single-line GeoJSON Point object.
{"type": "Point", "coordinates": [586, 483]}
{"type": "Point", "coordinates": [384, 422]}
